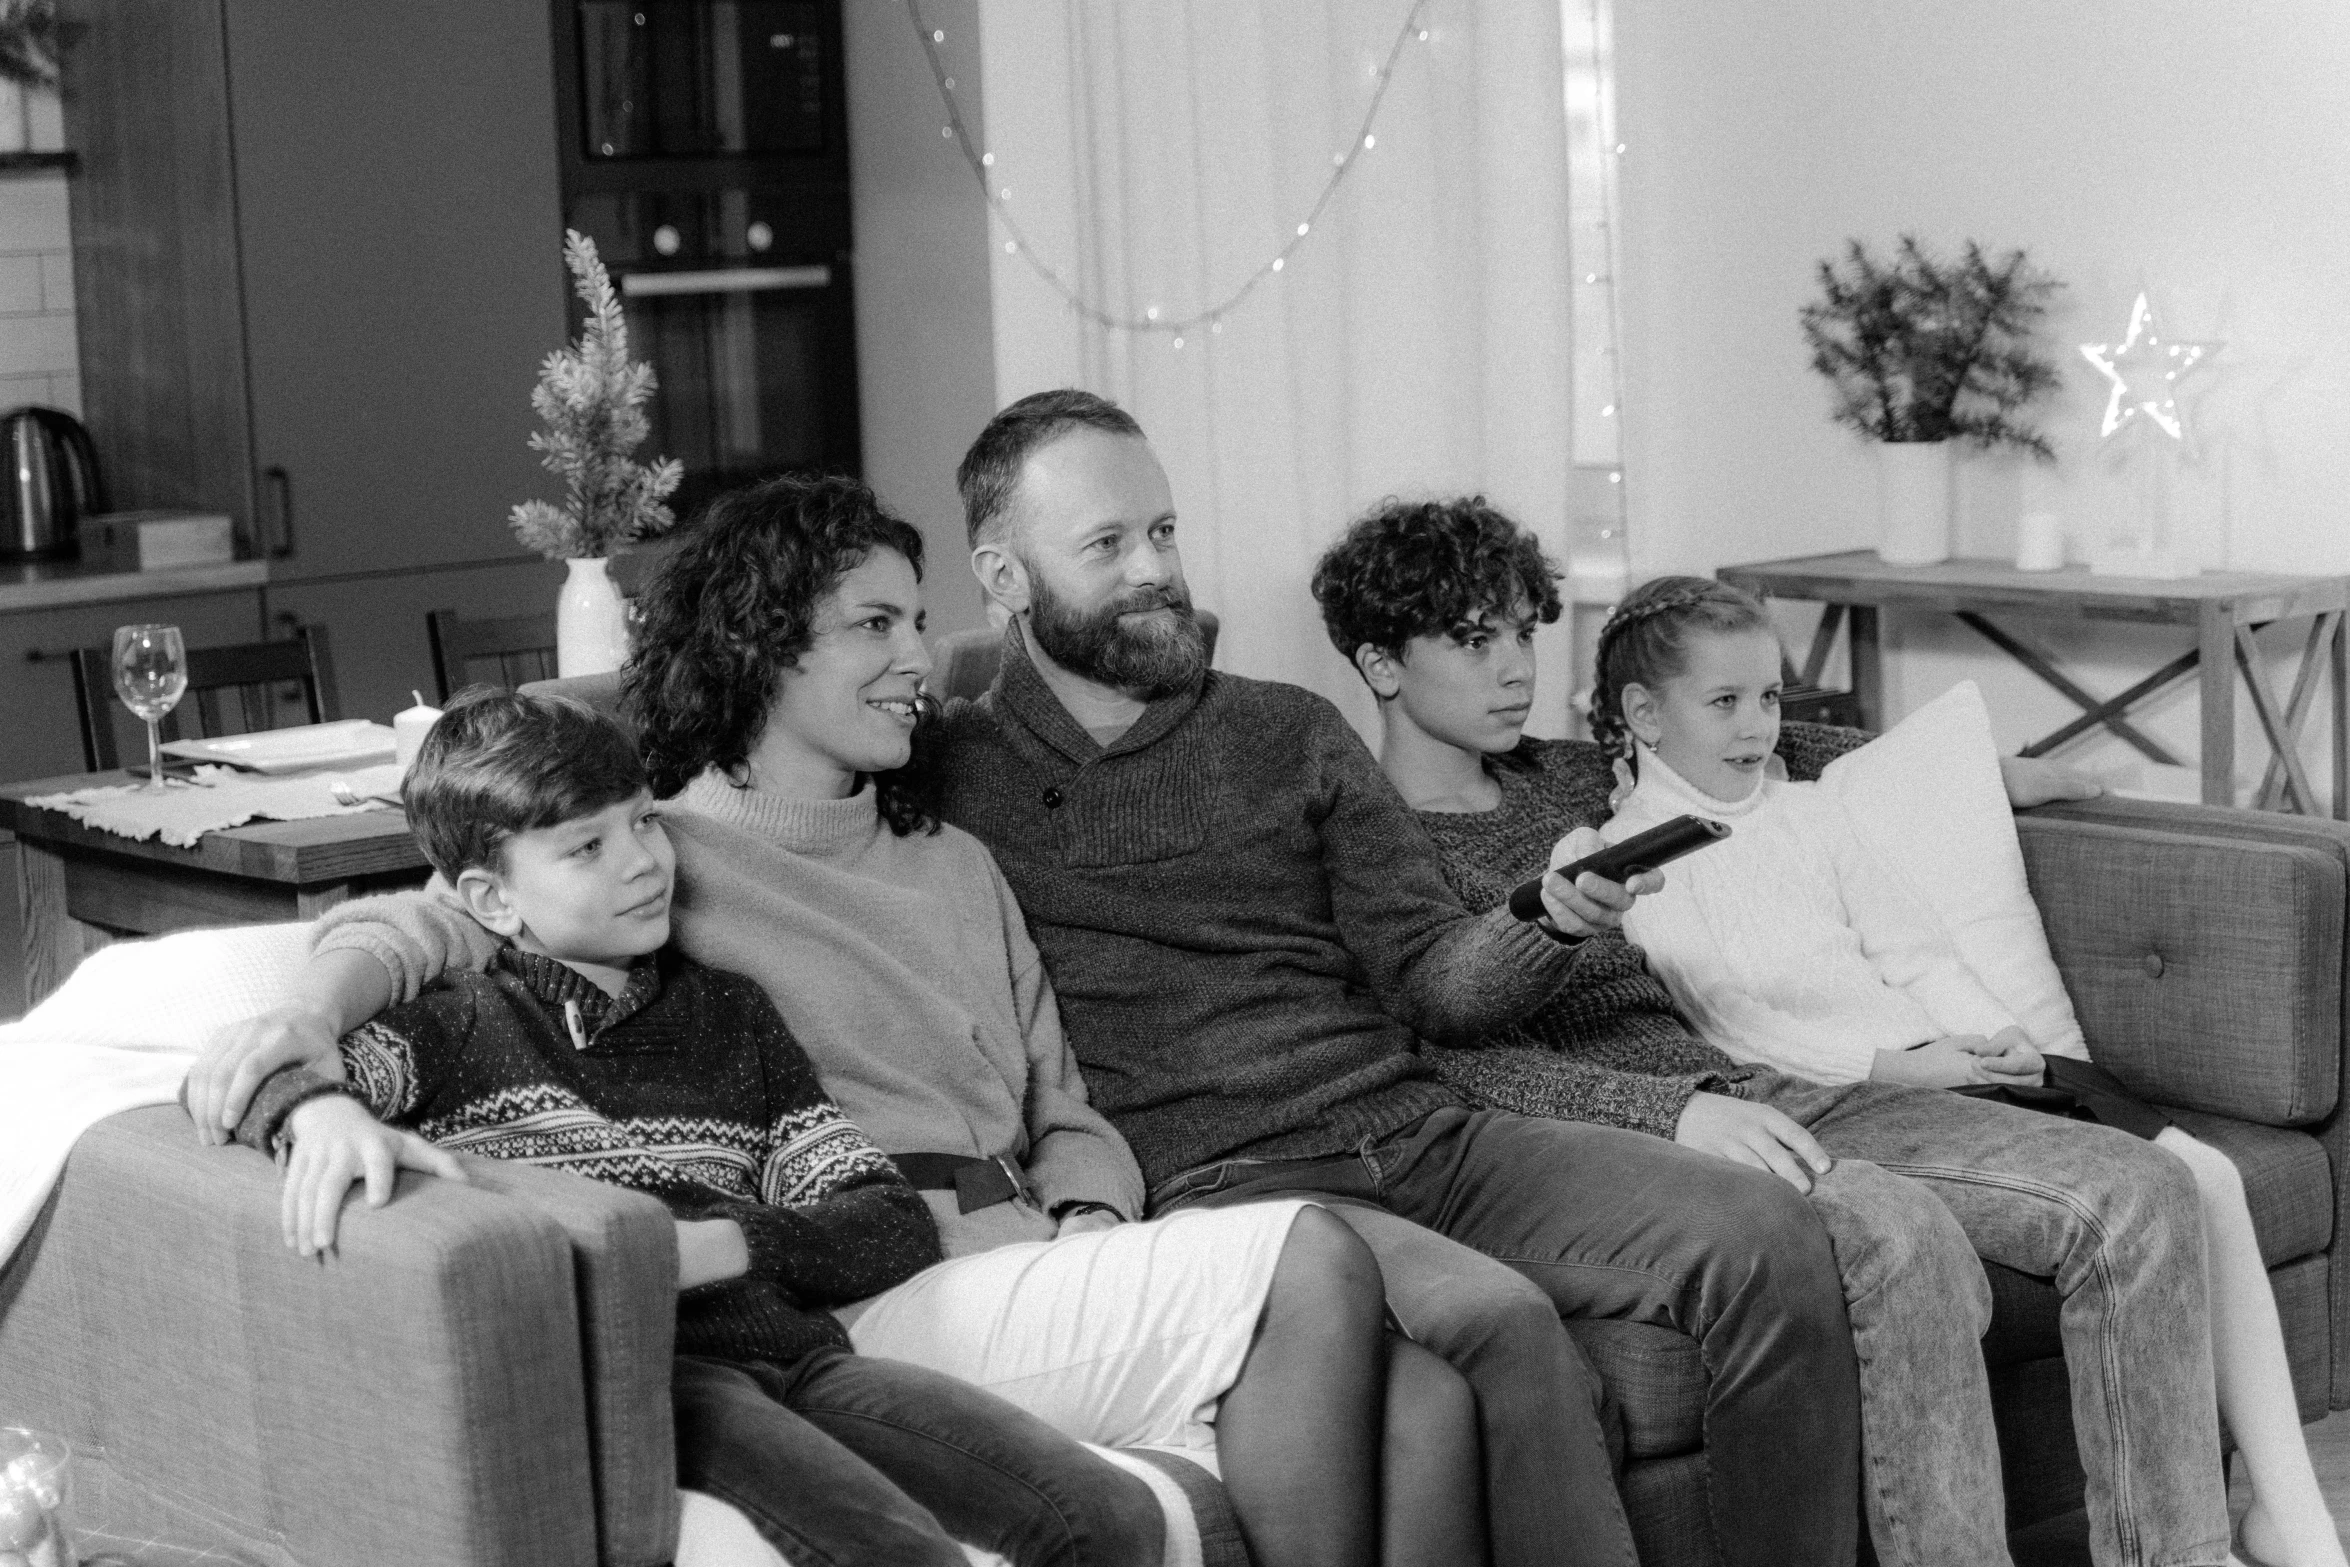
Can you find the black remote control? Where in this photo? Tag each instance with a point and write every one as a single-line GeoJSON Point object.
{"type": "Point", "coordinates": [1640, 852]}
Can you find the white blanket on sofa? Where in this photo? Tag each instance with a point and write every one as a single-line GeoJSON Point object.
{"type": "Point", "coordinates": [121, 1032]}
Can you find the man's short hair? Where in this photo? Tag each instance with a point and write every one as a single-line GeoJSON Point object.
{"type": "Point", "coordinates": [1423, 568]}
{"type": "Point", "coordinates": [497, 763]}
{"type": "Point", "coordinates": [990, 470]}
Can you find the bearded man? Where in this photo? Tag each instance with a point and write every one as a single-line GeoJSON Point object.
{"type": "Point", "coordinates": [1251, 934]}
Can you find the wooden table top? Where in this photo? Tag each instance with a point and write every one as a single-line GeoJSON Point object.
{"type": "Point", "coordinates": [319, 850]}
{"type": "Point", "coordinates": [1859, 577]}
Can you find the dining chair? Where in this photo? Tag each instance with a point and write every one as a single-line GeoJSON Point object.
{"type": "Point", "coordinates": [231, 690]}
{"type": "Point", "coordinates": [963, 663]}
{"type": "Point", "coordinates": [521, 648]}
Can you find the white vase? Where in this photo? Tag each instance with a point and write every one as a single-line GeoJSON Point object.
{"type": "Point", "coordinates": [591, 621]}
{"type": "Point", "coordinates": [1913, 502]}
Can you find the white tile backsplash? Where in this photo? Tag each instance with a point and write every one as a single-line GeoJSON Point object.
{"type": "Point", "coordinates": [20, 285]}
{"type": "Point", "coordinates": [57, 280]}
{"type": "Point", "coordinates": [39, 362]}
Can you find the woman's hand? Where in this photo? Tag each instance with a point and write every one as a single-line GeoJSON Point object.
{"type": "Point", "coordinates": [335, 993]}
{"type": "Point", "coordinates": [1590, 903]}
{"type": "Point", "coordinates": [1961, 1060]}
{"type": "Point", "coordinates": [337, 1143]}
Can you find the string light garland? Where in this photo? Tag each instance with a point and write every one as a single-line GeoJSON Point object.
{"type": "Point", "coordinates": [1153, 319]}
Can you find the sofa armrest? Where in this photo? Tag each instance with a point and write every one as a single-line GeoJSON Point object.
{"type": "Point", "coordinates": [624, 1263]}
{"type": "Point", "coordinates": [415, 1397]}
{"type": "Point", "coordinates": [2203, 949]}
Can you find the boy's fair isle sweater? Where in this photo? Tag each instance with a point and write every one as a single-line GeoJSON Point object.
{"type": "Point", "coordinates": [688, 1088]}
{"type": "Point", "coordinates": [1249, 931]}
{"type": "Point", "coordinates": [900, 964]}
{"type": "Point", "coordinates": [1612, 1050]}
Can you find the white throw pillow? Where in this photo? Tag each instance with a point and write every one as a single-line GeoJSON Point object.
{"type": "Point", "coordinates": [1926, 798]}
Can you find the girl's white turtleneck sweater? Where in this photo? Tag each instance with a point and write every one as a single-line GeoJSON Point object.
{"type": "Point", "coordinates": [1788, 944]}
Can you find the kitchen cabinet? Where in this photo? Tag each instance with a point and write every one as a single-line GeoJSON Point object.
{"type": "Point", "coordinates": [318, 261]}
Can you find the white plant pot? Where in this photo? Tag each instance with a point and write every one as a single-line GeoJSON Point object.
{"type": "Point", "coordinates": [1913, 502]}
{"type": "Point", "coordinates": [591, 621]}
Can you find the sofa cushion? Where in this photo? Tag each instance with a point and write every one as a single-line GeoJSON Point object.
{"type": "Point", "coordinates": [2288, 1182]}
{"type": "Point", "coordinates": [2207, 971]}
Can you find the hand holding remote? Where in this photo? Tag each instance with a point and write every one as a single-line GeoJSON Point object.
{"type": "Point", "coordinates": [1641, 852]}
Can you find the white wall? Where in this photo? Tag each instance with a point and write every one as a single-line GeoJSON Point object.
{"type": "Point", "coordinates": [925, 343]}
{"type": "Point", "coordinates": [2199, 148]}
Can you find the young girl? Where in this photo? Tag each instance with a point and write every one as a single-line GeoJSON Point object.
{"type": "Point", "coordinates": [1790, 945]}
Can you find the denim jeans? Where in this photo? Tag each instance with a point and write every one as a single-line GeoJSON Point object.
{"type": "Point", "coordinates": [1490, 1226]}
{"type": "Point", "coordinates": [842, 1460]}
{"type": "Point", "coordinates": [2113, 1220]}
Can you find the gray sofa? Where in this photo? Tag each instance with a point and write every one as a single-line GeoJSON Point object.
{"type": "Point", "coordinates": [480, 1377]}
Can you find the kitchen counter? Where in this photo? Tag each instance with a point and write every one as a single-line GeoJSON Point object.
{"type": "Point", "coordinates": [52, 584]}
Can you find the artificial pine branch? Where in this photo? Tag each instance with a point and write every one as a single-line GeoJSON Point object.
{"type": "Point", "coordinates": [591, 397]}
{"type": "Point", "coordinates": [1919, 351]}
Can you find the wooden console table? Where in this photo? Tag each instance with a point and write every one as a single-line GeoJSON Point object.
{"type": "Point", "coordinates": [2224, 609]}
{"type": "Point", "coordinates": [80, 887]}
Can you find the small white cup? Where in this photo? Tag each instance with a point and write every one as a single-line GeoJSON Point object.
{"type": "Point", "coordinates": [409, 727]}
{"type": "Point", "coordinates": [2039, 541]}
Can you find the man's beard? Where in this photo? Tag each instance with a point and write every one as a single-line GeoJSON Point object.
{"type": "Point", "coordinates": [1152, 658]}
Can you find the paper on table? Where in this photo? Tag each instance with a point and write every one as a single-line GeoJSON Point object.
{"type": "Point", "coordinates": [183, 815]}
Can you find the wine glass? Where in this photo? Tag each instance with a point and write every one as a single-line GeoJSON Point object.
{"type": "Point", "coordinates": [150, 675]}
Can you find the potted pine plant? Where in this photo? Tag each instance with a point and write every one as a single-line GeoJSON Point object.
{"type": "Point", "coordinates": [591, 397]}
{"type": "Point", "coordinates": [1924, 355]}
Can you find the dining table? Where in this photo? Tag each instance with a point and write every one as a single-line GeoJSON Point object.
{"type": "Point", "coordinates": [80, 887]}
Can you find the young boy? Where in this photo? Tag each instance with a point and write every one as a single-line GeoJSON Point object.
{"type": "Point", "coordinates": [590, 1046]}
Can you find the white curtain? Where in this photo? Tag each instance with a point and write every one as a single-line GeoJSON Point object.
{"type": "Point", "coordinates": [1157, 152]}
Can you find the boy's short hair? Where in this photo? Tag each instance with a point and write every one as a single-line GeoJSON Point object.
{"type": "Point", "coordinates": [1423, 568]}
{"type": "Point", "coordinates": [991, 468]}
{"type": "Point", "coordinates": [497, 763]}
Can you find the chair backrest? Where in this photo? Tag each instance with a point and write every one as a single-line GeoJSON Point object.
{"type": "Point", "coordinates": [506, 653]}
{"type": "Point", "coordinates": [601, 692]}
{"type": "Point", "coordinates": [231, 690]}
{"type": "Point", "coordinates": [964, 663]}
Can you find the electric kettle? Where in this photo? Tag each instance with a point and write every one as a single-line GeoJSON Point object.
{"type": "Point", "coordinates": [48, 484]}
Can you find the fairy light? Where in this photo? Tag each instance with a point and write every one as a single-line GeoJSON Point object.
{"type": "Point", "coordinates": [999, 199]}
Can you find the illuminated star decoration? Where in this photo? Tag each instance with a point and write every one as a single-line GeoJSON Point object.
{"type": "Point", "coordinates": [2144, 369]}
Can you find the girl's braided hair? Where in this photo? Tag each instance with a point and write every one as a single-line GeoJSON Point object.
{"type": "Point", "coordinates": [1646, 640]}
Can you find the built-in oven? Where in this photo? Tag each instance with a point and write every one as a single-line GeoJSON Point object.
{"type": "Point", "coordinates": [705, 149]}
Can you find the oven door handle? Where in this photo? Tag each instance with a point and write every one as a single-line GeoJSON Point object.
{"type": "Point", "coordinates": [724, 280]}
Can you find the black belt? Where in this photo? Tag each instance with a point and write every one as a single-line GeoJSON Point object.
{"type": "Point", "coordinates": [976, 1183]}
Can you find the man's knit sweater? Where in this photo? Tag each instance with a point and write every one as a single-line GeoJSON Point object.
{"type": "Point", "coordinates": [1612, 1050]}
{"type": "Point", "coordinates": [1249, 930]}
{"type": "Point", "coordinates": [686, 1086]}
{"type": "Point", "coordinates": [900, 964]}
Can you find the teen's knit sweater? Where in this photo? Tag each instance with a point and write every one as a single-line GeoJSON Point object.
{"type": "Point", "coordinates": [687, 1087]}
{"type": "Point", "coordinates": [1249, 930]}
{"type": "Point", "coordinates": [901, 965]}
{"type": "Point", "coordinates": [1612, 1050]}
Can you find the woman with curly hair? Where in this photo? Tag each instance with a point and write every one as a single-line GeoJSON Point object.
{"type": "Point", "coordinates": [777, 693]}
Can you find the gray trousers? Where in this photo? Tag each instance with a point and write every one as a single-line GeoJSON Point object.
{"type": "Point", "coordinates": [1926, 1181]}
